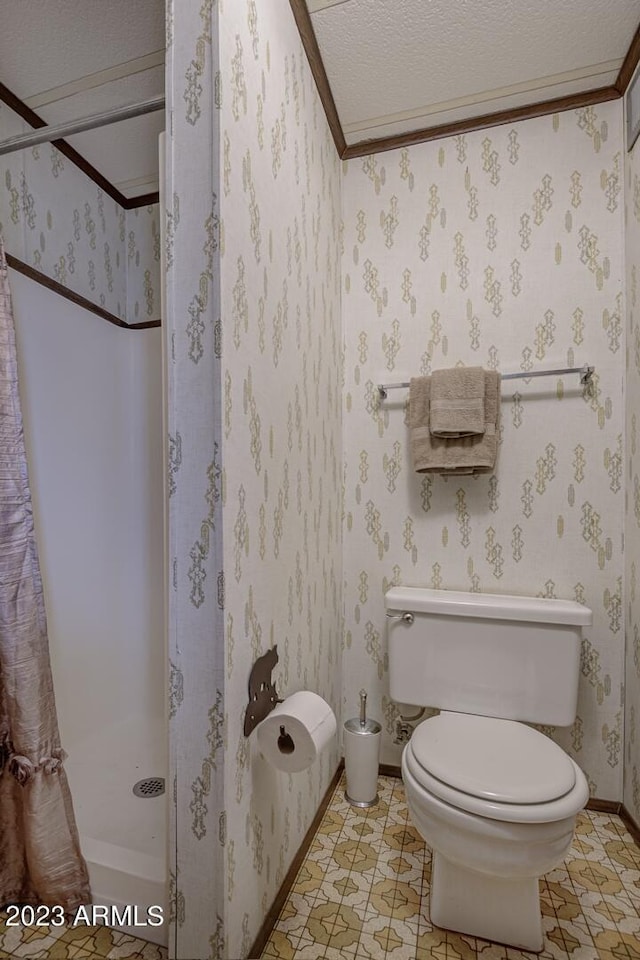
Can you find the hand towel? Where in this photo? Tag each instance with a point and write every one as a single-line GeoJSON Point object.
{"type": "Point", "coordinates": [465, 455]}
{"type": "Point", "coordinates": [457, 402]}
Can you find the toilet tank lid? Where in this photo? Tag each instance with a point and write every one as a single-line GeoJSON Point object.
{"type": "Point", "coordinates": [487, 606]}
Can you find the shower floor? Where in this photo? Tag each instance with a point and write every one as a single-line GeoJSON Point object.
{"type": "Point", "coordinates": [123, 837]}
{"type": "Point", "coordinates": [102, 770]}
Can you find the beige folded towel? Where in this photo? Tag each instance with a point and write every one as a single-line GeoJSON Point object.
{"type": "Point", "coordinates": [457, 402]}
{"type": "Point", "coordinates": [467, 455]}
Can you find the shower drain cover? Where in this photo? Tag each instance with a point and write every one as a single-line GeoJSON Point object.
{"type": "Point", "coordinates": [149, 787]}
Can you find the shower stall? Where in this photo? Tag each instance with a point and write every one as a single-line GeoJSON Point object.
{"type": "Point", "coordinates": [92, 406]}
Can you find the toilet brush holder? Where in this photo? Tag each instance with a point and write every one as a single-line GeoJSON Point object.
{"type": "Point", "coordinates": [361, 757]}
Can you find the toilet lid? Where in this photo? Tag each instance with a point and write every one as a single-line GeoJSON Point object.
{"type": "Point", "coordinates": [499, 760]}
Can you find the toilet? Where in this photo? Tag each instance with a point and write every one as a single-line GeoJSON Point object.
{"type": "Point", "coordinates": [495, 799]}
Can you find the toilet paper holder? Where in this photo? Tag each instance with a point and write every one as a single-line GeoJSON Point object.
{"type": "Point", "coordinates": [263, 695]}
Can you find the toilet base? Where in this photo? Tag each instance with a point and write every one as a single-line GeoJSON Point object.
{"type": "Point", "coordinates": [505, 910]}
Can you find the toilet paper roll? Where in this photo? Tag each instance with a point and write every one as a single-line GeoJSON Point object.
{"type": "Point", "coordinates": [295, 731]}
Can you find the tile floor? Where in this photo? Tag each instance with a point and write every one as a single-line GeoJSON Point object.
{"type": "Point", "coordinates": [363, 892]}
{"type": "Point", "coordinates": [73, 943]}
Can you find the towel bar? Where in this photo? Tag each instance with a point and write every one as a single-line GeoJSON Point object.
{"type": "Point", "coordinates": [586, 372]}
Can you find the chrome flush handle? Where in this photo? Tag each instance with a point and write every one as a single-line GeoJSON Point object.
{"type": "Point", "coordinates": [406, 617]}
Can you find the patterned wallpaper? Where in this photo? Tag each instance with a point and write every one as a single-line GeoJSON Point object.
{"type": "Point", "coordinates": [282, 447]}
{"type": "Point", "coordinates": [500, 248]}
{"type": "Point", "coordinates": [631, 797]}
{"type": "Point", "coordinates": [195, 599]}
{"type": "Point", "coordinates": [142, 241]}
{"type": "Point", "coordinates": [57, 220]}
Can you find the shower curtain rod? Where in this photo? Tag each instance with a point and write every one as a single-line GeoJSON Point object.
{"type": "Point", "coordinates": [69, 127]}
{"type": "Point", "coordinates": [586, 372]}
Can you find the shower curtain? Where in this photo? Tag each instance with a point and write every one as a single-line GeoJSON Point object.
{"type": "Point", "coordinates": [40, 859]}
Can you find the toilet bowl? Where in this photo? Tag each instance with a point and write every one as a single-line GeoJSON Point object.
{"type": "Point", "coordinates": [497, 802]}
{"type": "Point", "coordinates": [494, 798]}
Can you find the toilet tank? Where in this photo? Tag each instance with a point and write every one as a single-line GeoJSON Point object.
{"type": "Point", "coordinates": [499, 656]}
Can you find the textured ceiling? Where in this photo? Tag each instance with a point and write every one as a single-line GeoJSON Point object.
{"type": "Point", "coordinates": [393, 66]}
{"type": "Point", "coordinates": [396, 66]}
{"type": "Point", "coordinates": [68, 59]}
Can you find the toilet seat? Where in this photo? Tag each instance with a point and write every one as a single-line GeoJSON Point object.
{"type": "Point", "coordinates": [500, 769]}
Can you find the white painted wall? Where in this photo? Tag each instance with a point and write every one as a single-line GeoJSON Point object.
{"type": "Point", "coordinates": [91, 398]}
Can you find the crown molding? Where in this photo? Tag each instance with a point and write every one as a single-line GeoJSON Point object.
{"type": "Point", "coordinates": [435, 132]}
{"type": "Point", "coordinates": [629, 64]}
{"type": "Point", "coordinates": [573, 102]}
{"type": "Point", "coordinates": [312, 50]}
{"type": "Point", "coordinates": [28, 271]}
